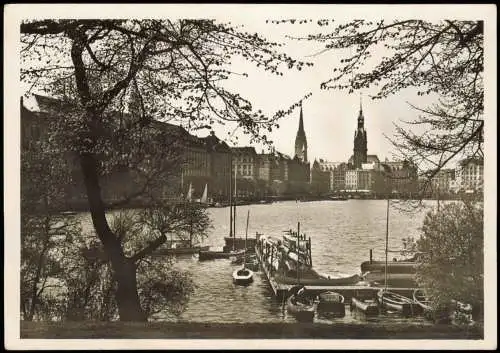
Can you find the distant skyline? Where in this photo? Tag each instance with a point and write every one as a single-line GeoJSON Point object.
{"type": "Point", "coordinates": [329, 115]}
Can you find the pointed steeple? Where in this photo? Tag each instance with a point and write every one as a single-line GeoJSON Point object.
{"type": "Point", "coordinates": [360, 143]}
{"type": "Point", "coordinates": [300, 139]}
{"type": "Point", "coordinates": [361, 118]}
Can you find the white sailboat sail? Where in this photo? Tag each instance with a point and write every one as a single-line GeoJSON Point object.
{"type": "Point", "coordinates": [204, 197]}
{"type": "Point", "coordinates": [189, 196]}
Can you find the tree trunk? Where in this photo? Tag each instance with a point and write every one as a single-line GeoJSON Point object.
{"type": "Point", "coordinates": [124, 268]}
{"type": "Point", "coordinates": [127, 297]}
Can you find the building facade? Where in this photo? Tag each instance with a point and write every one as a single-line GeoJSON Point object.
{"type": "Point", "coordinates": [444, 181]}
{"type": "Point", "coordinates": [400, 176]}
{"type": "Point", "coordinates": [245, 167]}
{"type": "Point", "coordinates": [320, 177]}
{"type": "Point", "coordinates": [470, 175]}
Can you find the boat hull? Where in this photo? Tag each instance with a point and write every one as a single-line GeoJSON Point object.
{"type": "Point", "coordinates": [301, 312]}
{"type": "Point", "coordinates": [420, 299]}
{"type": "Point", "coordinates": [182, 251]}
{"type": "Point", "coordinates": [331, 303]}
{"type": "Point", "coordinates": [213, 255]}
{"type": "Point", "coordinates": [239, 243]}
{"type": "Point", "coordinates": [243, 277]}
{"type": "Point", "coordinates": [343, 281]}
{"type": "Point", "coordinates": [369, 307]}
{"type": "Point", "coordinates": [395, 302]}
{"type": "Point", "coordinates": [407, 267]}
{"type": "Point", "coordinates": [400, 280]}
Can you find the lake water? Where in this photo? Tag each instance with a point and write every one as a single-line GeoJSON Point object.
{"type": "Point", "coordinates": [342, 232]}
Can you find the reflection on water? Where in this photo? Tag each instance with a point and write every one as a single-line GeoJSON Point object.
{"type": "Point", "coordinates": [342, 233]}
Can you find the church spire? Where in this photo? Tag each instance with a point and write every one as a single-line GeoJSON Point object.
{"type": "Point", "coordinates": [301, 120]}
{"type": "Point", "coordinates": [361, 118]}
{"type": "Point", "coordinates": [300, 139]}
{"type": "Point", "coordinates": [360, 143]}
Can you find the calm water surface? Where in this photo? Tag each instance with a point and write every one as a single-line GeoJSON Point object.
{"type": "Point", "coordinates": [342, 232]}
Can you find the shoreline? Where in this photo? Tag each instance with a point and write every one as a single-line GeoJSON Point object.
{"type": "Point", "coordinates": [201, 330]}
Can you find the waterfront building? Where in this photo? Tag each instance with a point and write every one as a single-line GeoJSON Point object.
{"type": "Point", "coordinates": [400, 176]}
{"type": "Point", "coordinates": [470, 175]}
{"type": "Point", "coordinates": [338, 177]}
{"type": "Point", "coordinates": [245, 165]}
{"type": "Point", "coordinates": [329, 175]}
{"type": "Point", "coordinates": [245, 162]}
{"type": "Point", "coordinates": [190, 160]}
{"type": "Point", "coordinates": [351, 180]}
{"type": "Point", "coordinates": [363, 180]}
{"type": "Point", "coordinates": [273, 174]}
{"type": "Point", "coordinates": [320, 177]}
{"type": "Point", "coordinates": [221, 160]}
{"type": "Point", "coordinates": [443, 181]}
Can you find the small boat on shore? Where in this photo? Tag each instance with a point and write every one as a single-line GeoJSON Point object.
{"type": "Point", "coordinates": [243, 276]}
{"type": "Point", "coordinates": [331, 303]}
{"type": "Point", "coordinates": [396, 302]}
{"type": "Point", "coordinates": [369, 307]}
{"type": "Point", "coordinates": [204, 255]}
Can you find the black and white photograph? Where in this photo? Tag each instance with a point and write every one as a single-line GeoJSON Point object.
{"type": "Point", "coordinates": [241, 176]}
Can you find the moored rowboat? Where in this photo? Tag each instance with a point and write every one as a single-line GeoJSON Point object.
{"type": "Point", "coordinates": [301, 308]}
{"type": "Point", "coordinates": [331, 302]}
{"type": "Point", "coordinates": [243, 277]}
{"type": "Point", "coordinates": [369, 307]}
{"type": "Point", "coordinates": [396, 302]}
{"type": "Point", "coordinates": [420, 298]}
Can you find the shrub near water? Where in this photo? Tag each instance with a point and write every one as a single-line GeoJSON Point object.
{"type": "Point", "coordinates": [452, 264]}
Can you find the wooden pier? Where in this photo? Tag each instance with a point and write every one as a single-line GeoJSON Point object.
{"type": "Point", "coordinates": [280, 290]}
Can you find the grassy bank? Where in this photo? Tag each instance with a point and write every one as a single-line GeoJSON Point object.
{"type": "Point", "coordinates": [165, 330]}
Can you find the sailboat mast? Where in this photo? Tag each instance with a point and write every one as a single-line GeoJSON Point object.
{"type": "Point", "coordinates": [246, 235]}
{"type": "Point", "coordinates": [386, 242]}
{"type": "Point", "coordinates": [231, 201]}
{"type": "Point", "coordinates": [298, 253]}
{"type": "Point", "coordinates": [191, 230]}
{"type": "Point", "coordinates": [235, 201]}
